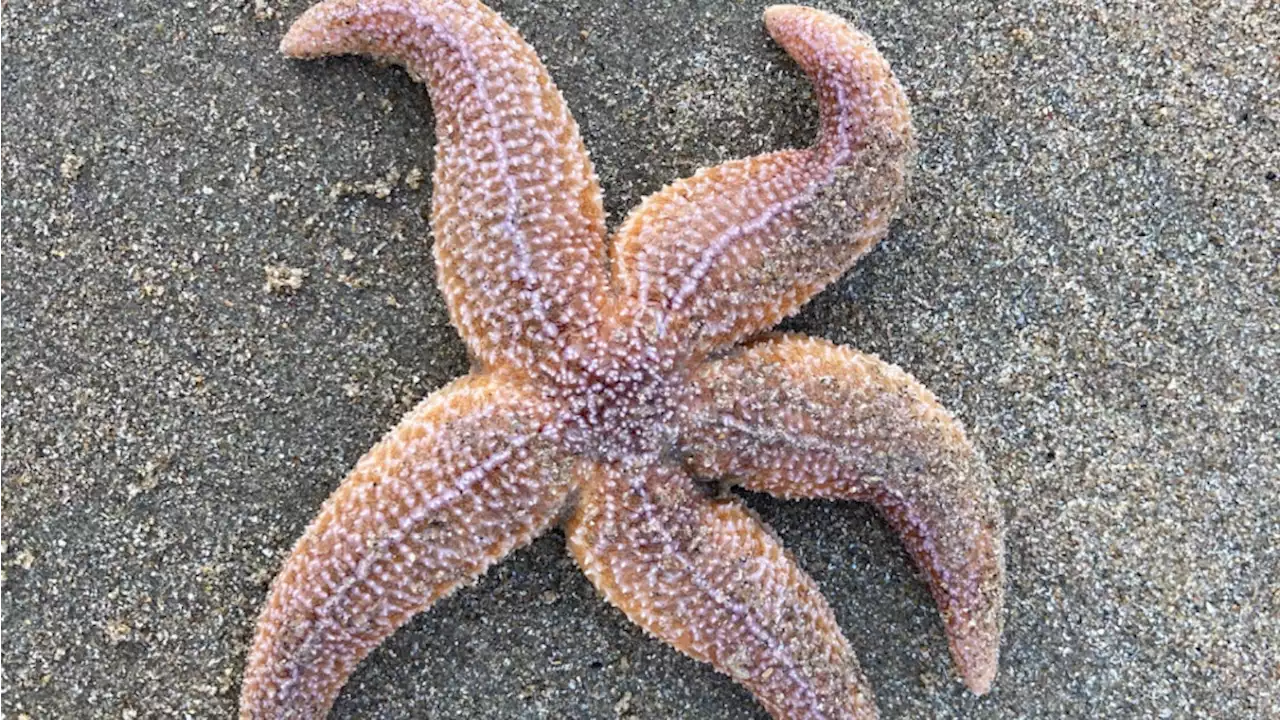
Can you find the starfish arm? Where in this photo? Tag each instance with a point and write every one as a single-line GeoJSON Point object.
{"type": "Point", "coordinates": [801, 418]}
{"type": "Point", "coordinates": [462, 480]}
{"type": "Point", "coordinates": [732, 250]}
{"type": "Point", "coordinates": [706, 576]}
{"type": "Point", "coordinates": [516, 211]}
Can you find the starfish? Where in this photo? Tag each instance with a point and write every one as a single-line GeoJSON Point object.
{"type": "Point", "coordinates": [613, 379]}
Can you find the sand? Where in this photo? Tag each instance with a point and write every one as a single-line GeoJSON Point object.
{"type": "Point", "coordinates": [218, 292]}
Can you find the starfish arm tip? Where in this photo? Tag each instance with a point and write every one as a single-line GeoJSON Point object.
{"type": "Point", "coordinates": [305, 37]}
{"type": "Point", "coordinates": [288, 47]}
{"type": "Point", "coordinates": [330, 27]}
{"type": "Point", "coordinates": [774, 13]}
{"type": "Point", "coordinates": [979, 683]}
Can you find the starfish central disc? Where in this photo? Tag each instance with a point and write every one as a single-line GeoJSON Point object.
{"type": "Point", "coordinates": [623, 398]}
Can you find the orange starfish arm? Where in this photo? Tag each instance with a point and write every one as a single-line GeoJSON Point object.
{"type": "Point", "coordinates": [706, 576]}
{"type": "Point", "coordinates": [732, 250]}
{"type": "Point", "coordinates": [801, 418]}
{"type": "Point", "coordinates": [516, 210]}
{"type": "Point", "coordinates": [460, 482]}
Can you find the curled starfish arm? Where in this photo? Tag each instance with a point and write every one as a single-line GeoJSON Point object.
{"type": "Point", "coordinates": [706, 576]}
{"type": "Point", "coordinates": [516, 211]}
{"type": "Point", "coordinates": [462, 480]}
{"type": "Point", "coordinates": [803, 418]}
{"type": "Point", "coordinates": [729, 252]}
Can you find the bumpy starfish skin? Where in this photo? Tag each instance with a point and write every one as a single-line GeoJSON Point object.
{"type": "Point", "coordinates": [734, 249]}
{"type": "Point", "coordinates": [516, 210]}
{"type": "Point", "coordinates": [706, 576]}
{"type": "Point", "coordinates": [798, 417]}
{"type": "Point", "coordinates": [607, 383]}
{"type": "Point", "coordinates": [465, 477]}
